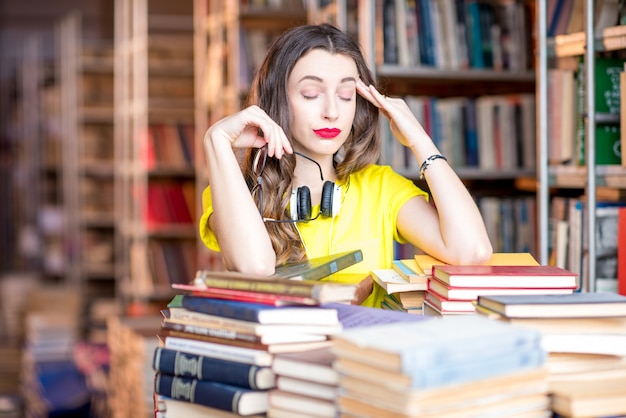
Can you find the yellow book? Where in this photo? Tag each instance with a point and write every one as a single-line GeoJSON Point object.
{"type": "Point", "coordinates": [426, 262]}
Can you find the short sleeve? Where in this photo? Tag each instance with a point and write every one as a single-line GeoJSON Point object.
{"type": "Point", "coordinates": [206, 234]}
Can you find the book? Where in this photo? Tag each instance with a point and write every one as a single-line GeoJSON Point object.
{"type": "Point", "coordinates": [304, 405]}
{"type": "Point", "coordinates": [166, 407]}
{"type": "Point", "coordinates": [236, 336]}
{"type": "Point", "coordinates": [320, 267]}
{"type": "Point", "coordinates": [217, 395]}
{"type": "Point", "coordinates": [275, 299]}
{"type": "Point", "coordinates": [247, 327]}
{"type": "Point", "coordinates": [320, 291]}
{"type": "Point", "coordinates": [255, 345]}
{"type": "Point", "coordinates": [412, 347]}
{"type": "Point", "coordinates": [472, 293]}
{"type": "Point", "coordinates": [426, 262]}
{"type": "Point", "coordinates": [312, 365]}
{"type": "Point", "coordinates": [444, 305]}
{"type": "Point", "coordinates": [594, 343]}
{"type": "Point", "coordinates": [512, 276]}
{"type": "Point", "coordinates": [431, 311]}
{"type": "Point", "coordinates": [179, 363]}
{"type": "Point", "coordinates": [256, 312]}
{"type": "Point", "coordinates": [219, 351]}
{"type": "Point", "coordinates": [603, 397]}
{"type": "Point", "coordinates": [575, 305]}
{"type": "Point", "coordinates": [392, 282]}
{"type": "Point", "coordinates": [306, 387]}
{"type": "Point", "coordinates": [410, 270]}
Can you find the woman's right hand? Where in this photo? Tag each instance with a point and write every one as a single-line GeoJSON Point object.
{"type": "Point", "coordinates": [251, 127]}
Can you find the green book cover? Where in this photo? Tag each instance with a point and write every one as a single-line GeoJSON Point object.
{"type": "Point", "coordinates": [607, 94]}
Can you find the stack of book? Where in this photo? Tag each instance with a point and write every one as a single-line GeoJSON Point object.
{"type": "Point", "coordinates": [405, 285]}
{"type": "Point", "coordinates": [462, 366]}
{"type": "Point", "coordinates": [220, 338]}
{"type": "Point", "coordinates": [307, 383]}
{"type": "Point", "coordinates": [584, 335]}
{"type": "Point", "coordinates": [453, 290]}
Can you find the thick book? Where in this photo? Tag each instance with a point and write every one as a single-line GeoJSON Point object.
{"type": "Point", "coordinates": [575, 305]}
{"type": "Point", "coordinates": [472, 293]}
{"type": "Point", "coordinates": [319, 291]}
{"type": "Point", "coordinates": [256, 312]}
{"type": "Point", "coordinates": [415, 346]}
{"type": "Point", "coordinates": [393, 282]}
{"type": "Point", "coordinates": [301, 405]}
{"type": "Point", "coordinates": [179, 363]}
{"type": "Point", "coordinates": [218, 395]}
{"type": "Point", "coordinates": [247, 327]}
{"type": "Point", "coordinates": [508, 276]}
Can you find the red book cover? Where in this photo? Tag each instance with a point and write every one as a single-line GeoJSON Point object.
{"type": "Point", "coordinates": [505, 276]}
{"type": "Point", "coordinates": [621, 251]}
{"type": "Point", "coordinates": [447, 305]}
{"type": "Point", "coordinates": [246, 296]}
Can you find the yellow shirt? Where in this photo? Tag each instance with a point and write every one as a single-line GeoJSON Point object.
{"type": "Point", "coordinates": [371, 200]}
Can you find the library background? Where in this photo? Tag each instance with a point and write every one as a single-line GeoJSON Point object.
{"type": "Point", "coordinates": [104, 105]}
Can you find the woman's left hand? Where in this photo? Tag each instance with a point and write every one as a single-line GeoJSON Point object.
{"type": "Point", "coordinates": [403, 123]}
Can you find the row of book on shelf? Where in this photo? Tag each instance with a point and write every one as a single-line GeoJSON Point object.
{"type": "Point", "coordinates": [456, 34]}
{"type": "Point", "coordinates": [566, 112]}
{"type": "Point", "coordinates": [232, 344]}
{"type": "Point", "coordinates": [486, 132]}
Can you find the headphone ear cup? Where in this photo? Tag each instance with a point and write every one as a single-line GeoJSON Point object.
{"type": "Point", "coordinates": [300, 204]}
{"type": "Point", "coordinates": [331, 199]}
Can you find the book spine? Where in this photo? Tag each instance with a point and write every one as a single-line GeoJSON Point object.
{"type": "Point", "coordinates": [213, 394]}
{"type": "Point", "coordinates": [195, 366]}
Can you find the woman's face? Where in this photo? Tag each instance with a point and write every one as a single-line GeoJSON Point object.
{"type": "Point", "coordinates": [322, 95]}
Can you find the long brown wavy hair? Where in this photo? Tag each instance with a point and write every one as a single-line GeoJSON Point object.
{"type": "Point", "coordinates": [269, 92]}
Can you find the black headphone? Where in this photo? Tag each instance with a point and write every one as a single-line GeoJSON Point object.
{"type": "Point", "coordinates": [300, 202]}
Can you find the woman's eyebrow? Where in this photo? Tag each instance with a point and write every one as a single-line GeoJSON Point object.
{"type": "Point", "coordinates": [320, 80]}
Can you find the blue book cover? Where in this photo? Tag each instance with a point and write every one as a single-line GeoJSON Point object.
{"type": "Point", "coordinates": [214, 394]}
{"type": "Point", "coordinates": [256, 312]}
{"type": "Point", "coordinates": [415, 346]}
{"type": "Point", "coordinates": [483, 368]}
{"type": "Point", "coordinates": [179, 363]}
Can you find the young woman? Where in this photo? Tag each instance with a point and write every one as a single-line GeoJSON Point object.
{"type": "Point", "coordinates": [309, 184]}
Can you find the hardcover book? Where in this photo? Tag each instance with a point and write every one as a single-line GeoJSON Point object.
{"type": "Point", "coordinates": [509, 276]}
{"type": "Point", "coordinates": [247, 327]}
{"type": "Point", "coordinates": [166, 407]}
{"type": "Point", "coordinates": [231, 398]}
{"type": "Point", "coordinates": [413, 347]}
{"type": "Point", "coordinates": [179, 363]}
{"type": "Point", "coordinates": [472, 293]}
{"type": "Point", "coordinates": [314, 365]}
{"type": "Point", "coordinates": [319, 291]}
{"type": "Point", "coordinates": [256, 312]}
{"type": "Point", "coordinates": [320, 267]}
{"type": "Point", "coordinates": [575, 305]}
{"type": "Point", "coordinates": [219, 351]}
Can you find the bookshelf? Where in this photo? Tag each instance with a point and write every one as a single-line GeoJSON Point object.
{"type": "Point", "coordinates": [155, 152]}
{"type": "Point", "coordinates": [448, 80]}
{"type": "Point", "coordinates": [230, 39]}
{"type": "Point", "coordinates": [85, 74]}
{"type": "Point", "coordinates": [592, 178]}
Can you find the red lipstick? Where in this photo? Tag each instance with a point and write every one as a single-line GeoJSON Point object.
{"type": "Point", "coordinates": [327, 132]}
